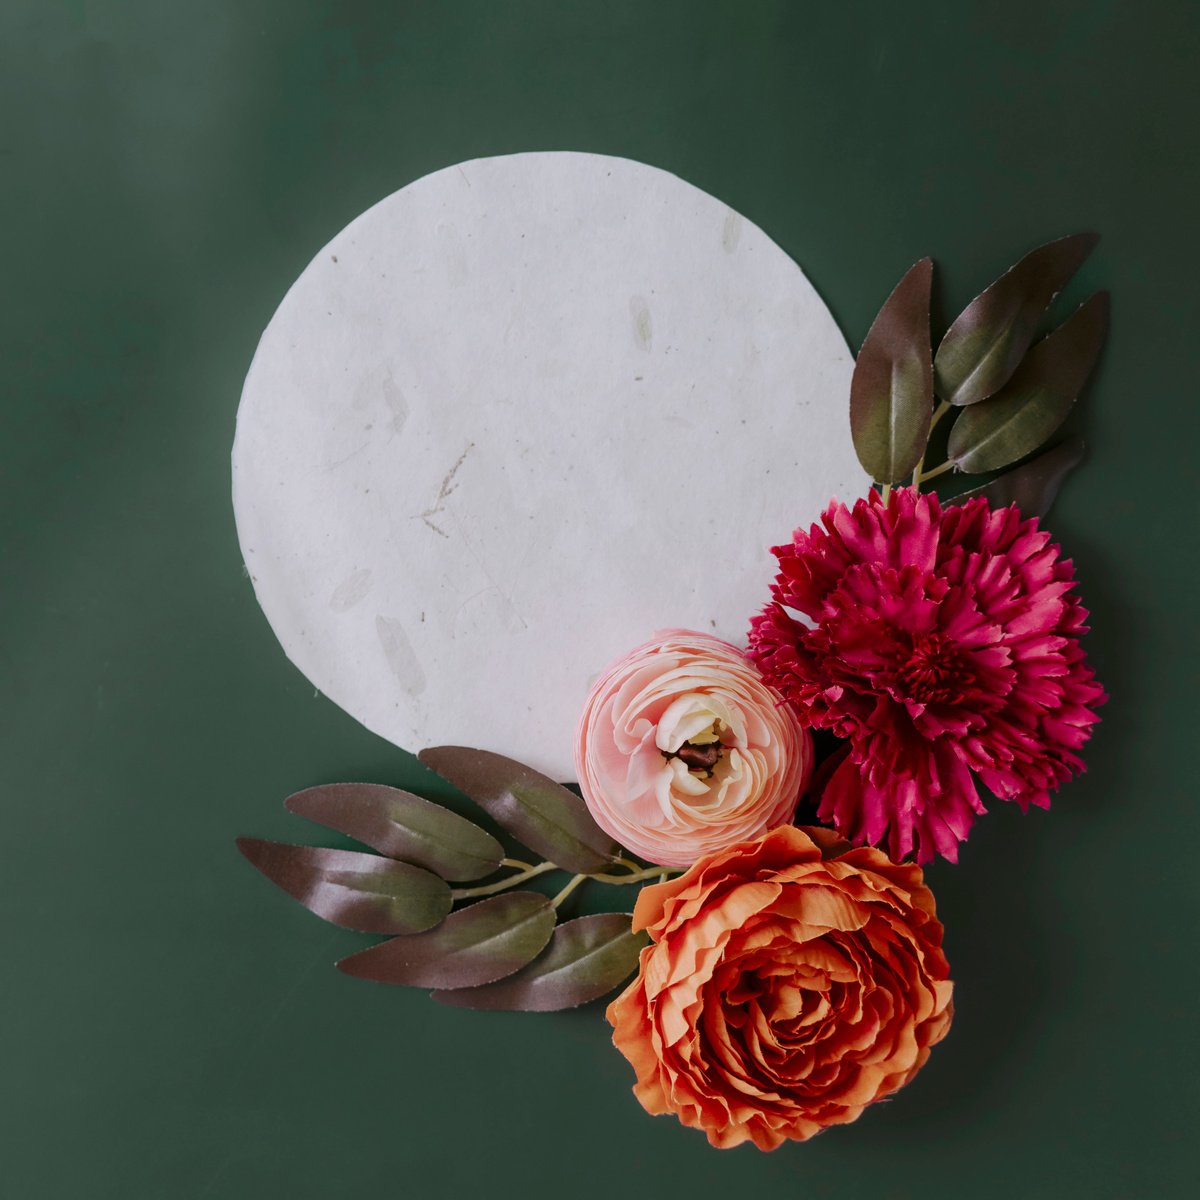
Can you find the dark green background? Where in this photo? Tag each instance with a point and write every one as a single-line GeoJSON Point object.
{"type": "Point", "coordinates": [173, 1028]}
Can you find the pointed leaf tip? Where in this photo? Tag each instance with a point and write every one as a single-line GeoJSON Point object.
{"type": "Point", "coordinates": [585, 960]}
{"type": "Point", "coordinates": [474, 946]}
{"type": "Point", "coordinates": [1033, 486]}
{"type": "Point", "coordinates": [544, 815]}
{"type": "Point", "coordinates": [402, 826]}
{"type": "Point", "coordinates": [988, 339]}
{"type": "Point", "coordinates": [891, 391]}
{"type": "Point", "coordinates": [357, 891]}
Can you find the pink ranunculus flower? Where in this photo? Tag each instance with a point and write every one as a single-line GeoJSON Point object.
{"type": "Point", "coordinates": [683, 749]}
{"type": "Point", "coordinates": [944, 644]}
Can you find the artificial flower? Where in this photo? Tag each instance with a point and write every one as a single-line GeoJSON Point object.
{"type": "Point", "coordinates": [683, 749]}
{"type": "Point", "coordinates": [790, 982]}
{"type": "Point", "coordinates": [944, 643]}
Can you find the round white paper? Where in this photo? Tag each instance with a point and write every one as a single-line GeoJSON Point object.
{"type": "Point", "coordinates": [513, 420]}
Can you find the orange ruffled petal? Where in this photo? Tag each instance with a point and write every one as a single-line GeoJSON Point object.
{"type": "Point", "coordinates": [791, 982]}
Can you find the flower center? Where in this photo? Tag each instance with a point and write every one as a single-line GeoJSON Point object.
{"type": "Point", "coordinates": [701, 752]}
{"type": "Point", "coordinates": [934, 672]}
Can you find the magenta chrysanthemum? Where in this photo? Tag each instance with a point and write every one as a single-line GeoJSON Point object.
{"type": "Point", "coordinates": [942, 643]}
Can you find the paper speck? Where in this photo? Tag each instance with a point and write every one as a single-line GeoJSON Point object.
{"type": "Point", "coordinates": [445, 492]}
{"type": "Point", "coordinates": [731, 233]}
{"type": "Point", "coordinates": [452, 255]}
{"type": "Point", "coordinates": [350, 591]}
{"type": "Point", "coordinates": [393, 397]}
{"type": "Point", "coordinates": [398, 651]}
{"type": "Point", "coordinates": [642, 330]}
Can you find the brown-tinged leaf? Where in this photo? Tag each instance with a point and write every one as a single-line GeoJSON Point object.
{"type": "Point", "coordinates": [891, 392]}
{"type": "Point", "coordinates": [476, 945]}
{"type": "Point", "coordinates": [1028, 410]}
{"type": "Point", "coordinates": [586, 959]}
{"type": "Point", "coordinates": [402, 826]}
{"type": "Point", "coordinates": [989, 338]}
{"type": "Point", "coordinates": [1033, 486]}
{"type": "Point", "coordinates": [357, 891]}
{"type": "Point", "coordinates": [544, 815]}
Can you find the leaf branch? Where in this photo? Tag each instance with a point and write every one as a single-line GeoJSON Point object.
{"type": "Point", "coordinates": [490, 889]}
{"type": "Point", "coordinates": [938, 413]}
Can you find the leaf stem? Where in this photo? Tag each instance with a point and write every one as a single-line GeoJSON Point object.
{"type": "Point", "coordinates": [941, 470]}
{"type": "Point", "coordinates": [634, 877]}
{"type": "Point", "coordinates": [517, 863]}
{"type": "Point", "coordinates": [885, 492]}
{"type": "Point", "coordinates": [637, 875]}
{"type": "Point", "coordinates": [938, 413]}
{"type": "Point", "coordinates": [575, 882]}
{"type": "Point", "coordinates": [490, 889]}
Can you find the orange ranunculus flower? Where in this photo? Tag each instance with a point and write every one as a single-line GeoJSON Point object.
{"type": "Point", "coordinates": [790, 982]}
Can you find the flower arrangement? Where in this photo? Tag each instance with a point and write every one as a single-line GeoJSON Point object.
{"type": "Point", "coordinates": [784, 978]}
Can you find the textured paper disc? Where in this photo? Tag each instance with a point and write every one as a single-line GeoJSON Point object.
{"type": "Point", "coordinates": [513, 420]}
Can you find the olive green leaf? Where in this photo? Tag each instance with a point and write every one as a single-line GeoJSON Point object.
{"type": "Point", "coordinates": [891, 392]}
{"type": "Point", "coordinates": [357, 891]}
{"type": "Point", "coordinates": [544, 815]}
{"type": "Point", "coordinates": [586, 958]}
{"type": "Point", "coordinates": [402, 826]}
{"type": "Point", "coordinates": [1033, 486]}
{"type": "Point", "coordinates": [476, 945]}
{"type": "Point", "coordinates": [989, 338]}
{"type": "Point", "coordinates": [1035, 402]}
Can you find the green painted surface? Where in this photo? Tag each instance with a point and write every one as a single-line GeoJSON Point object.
{"type": "Point", "coordinates": [172, 1027]}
